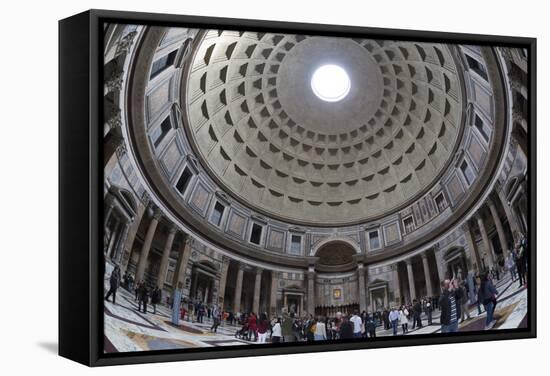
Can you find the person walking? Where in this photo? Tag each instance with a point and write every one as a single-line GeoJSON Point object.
{"type": "Point", "coordinates": [156, 298]}
{"type": "Point", "coordinates": [216, 319]}
{"type": "Point", "coordinates": [143, 298]}
{"type": "Point", "coordinates": [404, 320]}
{"type": "Point", "coordinates": [511, 264]}
{"type": "Point", "coordinates": [114, 282]}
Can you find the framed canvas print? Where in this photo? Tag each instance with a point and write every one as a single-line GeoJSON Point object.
{"type": "Point", "coordinates": [239, 187]}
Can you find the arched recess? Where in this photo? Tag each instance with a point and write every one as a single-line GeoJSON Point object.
{"type": "Point", "coordinates": [335, 239]}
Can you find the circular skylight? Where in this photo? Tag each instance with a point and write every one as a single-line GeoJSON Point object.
{"type": "Point", "coordinates": [330, 83]}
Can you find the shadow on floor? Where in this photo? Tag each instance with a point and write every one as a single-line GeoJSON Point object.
{"type": "Point", "coordinates": [51, 347]}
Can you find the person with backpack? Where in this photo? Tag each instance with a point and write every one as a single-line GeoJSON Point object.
{"type": "Point", "coordinates": [487, 294]}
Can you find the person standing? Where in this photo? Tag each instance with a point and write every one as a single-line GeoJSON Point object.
{"type": "Point", "coordinates": [429, 310]}
{"type": "Point", "coordinates": [143, 298]}
{"type": "Point", "coordinates": [287, 327]}
{"type": "Point", "coordinates": [263, 326]}
{"type": "Point", "coordinates": [216, 317]}
{"type": "Point", "coordinates": [114, 281]}
{"type": "Point", "coordinates": [487, 296]}
{"type": "Point", "coordinates": [320, 333]}
{"type": "Point", "coordinates": [417, 312]}
{"type": "Point", "coordinates": [447, 302]}
{"type": "Point", "coordinates": [462, 298]}
{"type": "Point", "coordinates": [309, 328]}
{"type": "Point", "coordinates": [346, 328]}
{"type": "Point", "coordinates": [385, 318]}
{"type": "Point", "coordinates": [357, 322]}
{"type": "Point", "coordinates": [276, 333]}
{"type": "Point", "coordinates": [156, 298]}
{"type": "Point", "coordinates": [253, 326]}
{"type": "Point", "coordinates": [404, 320]}
{"type": "Point", "coordinates": [394, 319]}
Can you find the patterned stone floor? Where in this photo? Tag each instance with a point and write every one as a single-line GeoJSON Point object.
{"type": "Point", "coordinates": [126, 329]}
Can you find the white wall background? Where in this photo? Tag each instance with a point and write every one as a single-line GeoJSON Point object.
{"type": "Point", "coordinates": [28, 206]}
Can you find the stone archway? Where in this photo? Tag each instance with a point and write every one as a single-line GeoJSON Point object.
{"type": "Point", "coordinates": [334, 282]}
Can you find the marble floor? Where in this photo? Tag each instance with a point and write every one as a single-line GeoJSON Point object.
{"type": "Point", "coordinates": [128, 330]}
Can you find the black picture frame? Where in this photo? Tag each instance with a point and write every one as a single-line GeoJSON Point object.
{"type": "Point", "coordinates": [81, 184]}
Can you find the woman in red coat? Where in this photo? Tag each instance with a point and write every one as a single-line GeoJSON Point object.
{"type": "Point", "coordinates": [252, 326]}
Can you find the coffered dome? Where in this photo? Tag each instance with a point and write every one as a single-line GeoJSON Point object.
{"type": "Point", "coordinates": [264, 135]}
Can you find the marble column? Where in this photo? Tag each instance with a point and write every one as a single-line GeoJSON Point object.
{"type": "Point", "coordinates": [440, 263]}
{"type": "Point", "coordinates": [109, 251]}
{"type": "Point", "coordinates": [412, 290]}
{"type": "Point", "coordinates": [427, 275]}
{"type": "Point", "coordinates": [129, 240]}
{"type": "Point", "coordinates": [311, 291]}
{"type": "Point", "coordinates": [108, 211]}
{"type": "Point", "coordinates": [181, 267]}
{"type": "Point", "coordinates": [362, 287]}
{"type": "Point", "coordinates": [223, 281]}
{"type": "Point", "coordinates": [273, 295]}
{"type": "Point", "coordinates": [146, 247]}
{"type": "Point", "coordinates": [485, 239]}
{"type": "Point", "coordinates": [119, 246]}
{"type": "Point", "coordinates": [257, 290]}
{"type": "Point", "coordinates": [238, 290]}
{"type": "Point", "coordinates": [472, 248]}
{"type": "Point", "coordinates": [163, 269]}
{"type": "Point", "coordinates": [512, 220]}
{"type": "Point", "coordinates": [500, 228]}
{"type": "Point", "coordinates": [396, 286]}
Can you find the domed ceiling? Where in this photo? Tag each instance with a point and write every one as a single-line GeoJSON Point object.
{"type": "Point", "coordinates": [263, 134]}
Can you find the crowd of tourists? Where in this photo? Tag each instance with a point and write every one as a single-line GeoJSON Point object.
{"type": "Point", "coordinates": [453, 303]}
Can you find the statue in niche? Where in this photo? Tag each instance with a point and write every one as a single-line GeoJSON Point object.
{"type": "Point", "coordinates": [379, 304]}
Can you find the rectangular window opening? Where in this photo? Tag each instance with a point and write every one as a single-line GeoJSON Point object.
{"type": "Point", "coordinates": [217, 214]}
{"type": "Point", "coordinates": [184, 180]}
{"type": "Point", "coordinates": [256, 234]}
{"type": "Point", "coordinates": [162, 63]}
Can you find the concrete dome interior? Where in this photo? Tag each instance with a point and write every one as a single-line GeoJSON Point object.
{"type": "Point", "coordinates": [271, 142]}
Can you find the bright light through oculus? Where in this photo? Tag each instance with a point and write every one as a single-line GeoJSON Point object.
{"type": "Point", "coordinates": [330, 83]}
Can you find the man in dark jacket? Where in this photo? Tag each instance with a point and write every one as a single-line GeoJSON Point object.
{"type": "Point", "coordinates": [156, 298]}
{"type": "Point", "coordinates": [346, 329]}
{"type": "Point", "coordinates": [447, 302]}
{"type": "Point", "coordinates": [417, 313]}
{"type": "Point", "coordinates": [143, 295]}
{"type": "Point", "coordinates": [114, 281]}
